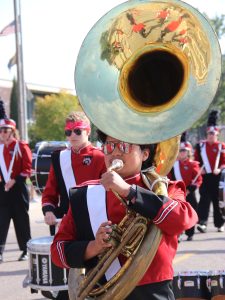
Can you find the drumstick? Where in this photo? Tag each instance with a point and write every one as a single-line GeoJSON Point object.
{"type": "Point", "coordinates": [199, 173]}
{"type": "Point", "coordinates": [42, 221]}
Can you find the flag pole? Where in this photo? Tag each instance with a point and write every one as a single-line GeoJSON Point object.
{"type": "Point", "coordinates": [22, 103]}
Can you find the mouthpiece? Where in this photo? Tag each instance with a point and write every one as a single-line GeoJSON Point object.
{"type": "Point", "coordinates": [117, 164]}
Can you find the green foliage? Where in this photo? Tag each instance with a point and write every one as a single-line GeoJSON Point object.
{"type": "Point", "coordinates": [220, 95]}
{"type": "Point", "coordinates": [93, 135]}
{"type": "Point", "coordinates": [50, 114]}
{"type": "Point", "coordinates": [218, 23]}
{"type": "Point", "coordinates": [14, 102]}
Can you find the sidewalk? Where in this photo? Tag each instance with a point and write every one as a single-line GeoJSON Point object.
{"type": "Point", "coordinates": [205, 252]}
{"type": "Point", "coordinates": [12, 271]}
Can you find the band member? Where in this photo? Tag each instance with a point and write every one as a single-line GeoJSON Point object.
{"type": "Point", "coordinates": [211, 155]}
{"type": "Point", "coordinates": [84, 231]}
{"type": "Point", "coordinates": [15, 167]}
{"type": "Point", "coordinates": [189, 172]}
{"type": "Point", "coordinates": [74, 165]}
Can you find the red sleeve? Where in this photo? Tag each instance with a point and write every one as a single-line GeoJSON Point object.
{"type": "Point", "coordinates": [22, 163]}
{"type": "Point", "coordinates": [50, 194]}
{"type": "Point", "coordinates": [176, 215]}
{"type": "Point", "coordinates": [66, 232]}
{"type": "Point", "coordinates": [26, 160]}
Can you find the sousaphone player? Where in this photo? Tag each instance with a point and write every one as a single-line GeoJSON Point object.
{"type": "Point", "coordinates": [135, 77]}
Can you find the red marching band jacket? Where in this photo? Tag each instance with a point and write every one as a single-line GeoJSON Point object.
{"type": "Point", "coordinates": [22, 162]}
{"type": "Point", "coordinates": [188, 170]}
{"type": "Point", "coordinates": [211, 155]}
{"type": "Point", "coordinates": [87, 164]}
{"type": "Point", "coordinates": [172, 215]}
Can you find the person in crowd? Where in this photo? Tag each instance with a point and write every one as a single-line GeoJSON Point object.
{"type": "Point", "coordinates": [211, 155]}
{"type": "Point", "coordinates": [15, 168]}
{"type": "Point", "coordinates": [189, 172]}
{"type": "Point", "coordinates": [80, 162]}
{"type": "Point", "coordinates": [74, 165]}
{"type": "Point", "coordinates": [95, 207]}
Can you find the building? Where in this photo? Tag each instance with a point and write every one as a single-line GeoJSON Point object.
{"type": "Point", "coordinates": [33, 91]}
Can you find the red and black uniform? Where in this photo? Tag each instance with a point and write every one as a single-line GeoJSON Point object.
{"type": "Point", "coordinates": [14, 204]}
{"type": "Point", "coordinates": [91, 205]}
{"type": "Point", "coordinates": [190, 173]}
{"type": "Point", "coordinates": [68, 169]}
{"type": "Point", "coordinates": [212, 156]}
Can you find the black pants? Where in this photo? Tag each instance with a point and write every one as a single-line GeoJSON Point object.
{"type": "Point", "coordinates": [62, 295]}
{"type": "Point", "coordinates": [191, 198]}
{"type": "Point", "coordinates": [154, 291]}
{"type": "Point", "coordinates": [209, 192]}
{"type": "Point", "coordinates": [14, 205]}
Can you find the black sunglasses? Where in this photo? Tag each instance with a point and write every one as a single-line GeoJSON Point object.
{"type": "Point", "coordinates": [77, 131]}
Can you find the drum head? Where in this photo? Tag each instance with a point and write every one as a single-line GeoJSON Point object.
{"type": "Point", "coordinates": [40, 245]}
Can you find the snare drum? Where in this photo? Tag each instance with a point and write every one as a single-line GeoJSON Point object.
{"type": "Point", "coordinates": [191, 285]}
{"type": "Point", "coordinates": [43, 274]}
{"type": "Point", "coordinates": [41, 161]}
{"type": "Point", "coordinates": [216, 285]}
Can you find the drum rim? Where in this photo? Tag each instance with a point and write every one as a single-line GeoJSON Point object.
{"type": "Point", "coordinates": [53, 288]}
{"type": "Point", "coordinates": [36, 248]}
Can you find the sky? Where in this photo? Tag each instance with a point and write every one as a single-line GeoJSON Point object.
{"type": "Point", "coordinates": [53, 31]}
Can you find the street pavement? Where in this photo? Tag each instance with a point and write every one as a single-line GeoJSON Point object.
{"type": "Point", "coordinates": [205, 252]}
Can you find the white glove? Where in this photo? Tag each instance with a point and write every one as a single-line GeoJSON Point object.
{"type": "Point", "coordinates": [221, 204]}
{"type": "Point", "coordinates": [216, 171]}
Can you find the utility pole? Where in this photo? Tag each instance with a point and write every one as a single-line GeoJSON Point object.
{"type": "Point", "coordinates": [22, 103]}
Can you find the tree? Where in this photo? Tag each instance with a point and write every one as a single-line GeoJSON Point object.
{"type": "Point", "coordinates": [220, 95]}
{"type": "Point", "coordinates": [218, 23]}
{"type": "Point", "coordinates": [50, 113]}
{"type": "Point", "coordinates": [14, 102]}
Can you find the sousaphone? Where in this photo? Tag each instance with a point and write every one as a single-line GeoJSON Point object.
{"type": "Point", "coordinates": [145, 73]}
